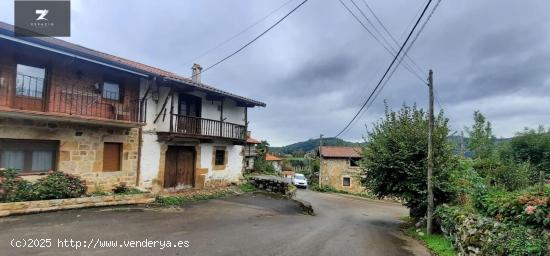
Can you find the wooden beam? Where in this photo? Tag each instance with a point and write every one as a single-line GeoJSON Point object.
{"type": "Point", "coordinates": [163, 105]}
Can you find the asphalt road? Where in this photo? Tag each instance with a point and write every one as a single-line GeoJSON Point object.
{"type": "Point", "coordinates": [240, 225]}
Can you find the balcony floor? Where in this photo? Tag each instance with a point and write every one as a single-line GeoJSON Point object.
{"type": "Point", "coordinates": [61, 117]}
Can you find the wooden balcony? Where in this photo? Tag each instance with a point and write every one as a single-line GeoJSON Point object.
{"type": "Point", "coordinates": [202, 128]}
{"type": "Point", "coordinates": [66, 103]}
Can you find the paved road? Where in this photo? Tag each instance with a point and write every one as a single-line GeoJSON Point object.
{"type": "Point", "coordinates": [241, 225]}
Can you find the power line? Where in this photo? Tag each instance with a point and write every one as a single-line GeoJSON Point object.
{"type": "Point", "coordinates": [241, 32]}
{"type": "Point", "coordinates": [253, 40]}
{"type": "Point", "coordinates": [392, 51]}
{"type": "Point", "coordinates": [389, 34]}
{"type": "Point", "coordinates": [400, 60]}
{"type": "Point", "coordinates": [387, 70]}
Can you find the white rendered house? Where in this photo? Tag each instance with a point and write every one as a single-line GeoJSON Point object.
{"type": "Point", "coordinates": [194, 134]}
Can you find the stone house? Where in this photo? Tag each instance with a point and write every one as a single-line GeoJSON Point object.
{"type": "Point", "coordinates": [250, 152]}
{"type": "Point", "coordinates": [275, 161]}
{"type": "Point", "coordinates": [339, 168]}
{"type": "Point", "coordinates": [111, 120]}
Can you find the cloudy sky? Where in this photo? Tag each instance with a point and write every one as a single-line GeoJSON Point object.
{"type": "Point", "coordinates": [315, 69]}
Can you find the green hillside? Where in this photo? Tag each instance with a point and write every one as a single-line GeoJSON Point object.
{"type": "Point", "coordinates": [299, 148]}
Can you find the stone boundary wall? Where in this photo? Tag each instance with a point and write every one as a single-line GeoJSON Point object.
{"type": "Point", "coordinates": [28, 207]}
{"type": "Point", "coordinates": [272, 184]}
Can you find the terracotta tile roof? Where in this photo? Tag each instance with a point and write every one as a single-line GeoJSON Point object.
{"type": "Point", "coordinates": [75, 49]}
{"type": "Point", "coordinates": [270, 157]}
{"type": "Point", "coordinates": [252, 141]}
{"type": "Point", "coordinates": [340, 152]}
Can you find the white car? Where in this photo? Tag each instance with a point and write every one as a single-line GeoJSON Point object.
{"type": "Point", "coordinates": [299, 180]}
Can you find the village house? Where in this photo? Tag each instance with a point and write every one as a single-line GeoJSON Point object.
{"type": "Point", "coordinates": [250, 152]}
{"type": "Point", "coordinates": [110, 120]}
{"type": "Point", "coordinates": [339, 168]}
{"type": "Point", "coordinates": [275, 161]}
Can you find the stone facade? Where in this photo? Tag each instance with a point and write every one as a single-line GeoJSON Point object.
{"type": "Point", "coordinates": [80, 149]}
{"type": "Point", "coordinates": [334, 170]}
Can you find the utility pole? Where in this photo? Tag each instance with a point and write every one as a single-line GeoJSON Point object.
{"type": "Point", "coordinates": [461, 143]}
{"type": "Point", "coordinates": [430, 154]}
{"type": "Point", "coordinates": [320, 157]}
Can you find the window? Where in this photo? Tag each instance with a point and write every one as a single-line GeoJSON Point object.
{"type": "Point", "coordinates": [30, 81]}
{"type": "Point", "coordinates": [111, 91]}
{"type": "Point", "coordinates": [346, 181]}
{"type": "Point", "coordinates": [354, 162]}
{"type": "Point", "coordinates": [220, 157]}
{"type": "Point", "coordinates": [28, 155]}
{"type": "Point", "coordinates": [112, 156]}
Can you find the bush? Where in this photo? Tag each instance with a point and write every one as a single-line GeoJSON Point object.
{"type": "Point", "coordinates": [263, 166]}
{"type": "Point", "coordinates": [13, 188]}
{"type": "Point", "coordinates": [59, 185]}
{"type": "Point", "coordinates": [122, 188]}
{"type": "Point", "coordinates": [474, 234]}
{"type": "Point", "coordinates": [527, 207]}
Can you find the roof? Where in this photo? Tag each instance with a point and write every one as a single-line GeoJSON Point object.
{"type": "Point", "coordinates": [252, 141]}
{"type": "Point", "coordinates": [60, 45]}
{"type": "Point", "coordinates": [341, 152]}
{"type": "Point", "coordinates": [270, 157]}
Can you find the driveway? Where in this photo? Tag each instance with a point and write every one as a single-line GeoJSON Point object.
{"type": "Point", "coordinates": [239, 225]}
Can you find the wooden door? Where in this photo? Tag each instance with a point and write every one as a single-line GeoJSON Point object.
{"type": "Point", "coordinates": [190, 108]}
{"type": "Point", "coordinates": [180, 167]}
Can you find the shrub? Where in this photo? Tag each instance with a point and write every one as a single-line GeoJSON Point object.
{"type": "Point", "coordinates": [13, 188]}
{"type": "Point", "coordinates": [474, 234]}
{"type": "Point", "coordinates": [528, 207]}
{"type": "Point", "coordinates": [122, 188]}
{"type": "Point", "coordinates": [263, 166]}
{"type": "Point", "coordinates": [59, 185]}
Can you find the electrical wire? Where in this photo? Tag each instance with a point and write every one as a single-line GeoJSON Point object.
{"type": "Point", "coordinates": [240, 33]}
{"type": "Point", "coordinates": [251, 41]}
{"type": "Point", "coordinates": [395, 68]}
{"type": "Point", "coordinates": [387, 70]}
{"type": "Point", "coordinates": [392, 51]}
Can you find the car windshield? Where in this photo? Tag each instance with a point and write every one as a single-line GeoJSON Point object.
{"type": "Point", "coordinates": [298, 177]}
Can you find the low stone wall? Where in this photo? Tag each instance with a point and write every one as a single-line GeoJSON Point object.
{"type": "Point", "coordinates": [27, 207]}
{"type": "Point", "coordinates": [272, 184]}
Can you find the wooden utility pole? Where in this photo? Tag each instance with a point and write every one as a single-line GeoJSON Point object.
{"type": "Point", "coordinates": [430, 154]}
{"type": "Point", "coordinates": [320, 157]}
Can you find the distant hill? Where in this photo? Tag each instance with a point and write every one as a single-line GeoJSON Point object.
{"type": "Point", "coordinates": [310, 145]}
{"type": "Point", "coordinates": [300, 148]}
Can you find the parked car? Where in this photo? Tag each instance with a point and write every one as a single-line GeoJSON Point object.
{"type": "Point", "coordinates": [299, 180]}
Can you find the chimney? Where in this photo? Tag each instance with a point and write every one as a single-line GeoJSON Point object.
{"type": "Point", "coordinates": [196, 74]}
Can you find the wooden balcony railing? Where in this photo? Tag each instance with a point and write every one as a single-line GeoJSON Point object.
{"type": "Point", "coordinates": [30, 93]}
{"type": "Point", "coordinates": [189, 125]}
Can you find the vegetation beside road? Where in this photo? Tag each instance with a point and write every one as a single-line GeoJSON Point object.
{"type": "Point", "coordinates": [437, 243]}
{"type": "Point", "coordinates": [492, 203]}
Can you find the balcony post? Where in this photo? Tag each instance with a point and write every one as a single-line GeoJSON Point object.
{"type": "Point", "coordinates": [171, 111]}
{"type": "Point", "coordinates": [221, 117]}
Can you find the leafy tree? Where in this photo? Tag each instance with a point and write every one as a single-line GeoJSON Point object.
{"type": "Point", "coordinates": [394, 160]}
{"type": "Point", "coordinates": [482, 140]}
{"type": "Point", "coordinates": [530, 146]}
{"type": "Point", "coordinates": [263, 148]}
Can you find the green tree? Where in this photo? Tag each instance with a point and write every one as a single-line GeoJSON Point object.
{"type": "Point", "coordinates": [394, 160]}
{"type": "Point", "coordinates": [530, 146]}
{"type": "Point", "coordinates": [482, 140]}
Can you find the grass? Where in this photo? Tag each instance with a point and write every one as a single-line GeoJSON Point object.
{"type": "Point", "coordinates": [247, 187]}
{"type": "Point", "coordinates": [178, 200]}
{"type": "Point", "coordinates": [437, 243]}
{"type": "Point", "coordinates": [330, 189]}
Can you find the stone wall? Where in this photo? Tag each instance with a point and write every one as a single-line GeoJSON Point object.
{"type": "Point", "coordinates": [333, 170]}
{"type": "Point", "coordinates": [7, 209]}
{"type": "Point", "coordinates": [81, 148]}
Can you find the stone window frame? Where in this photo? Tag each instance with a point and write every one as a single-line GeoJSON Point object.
{"type": "Point", "coordinates": [344, 177]}
{"type": "Point", "coordinates": [223, 166]}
